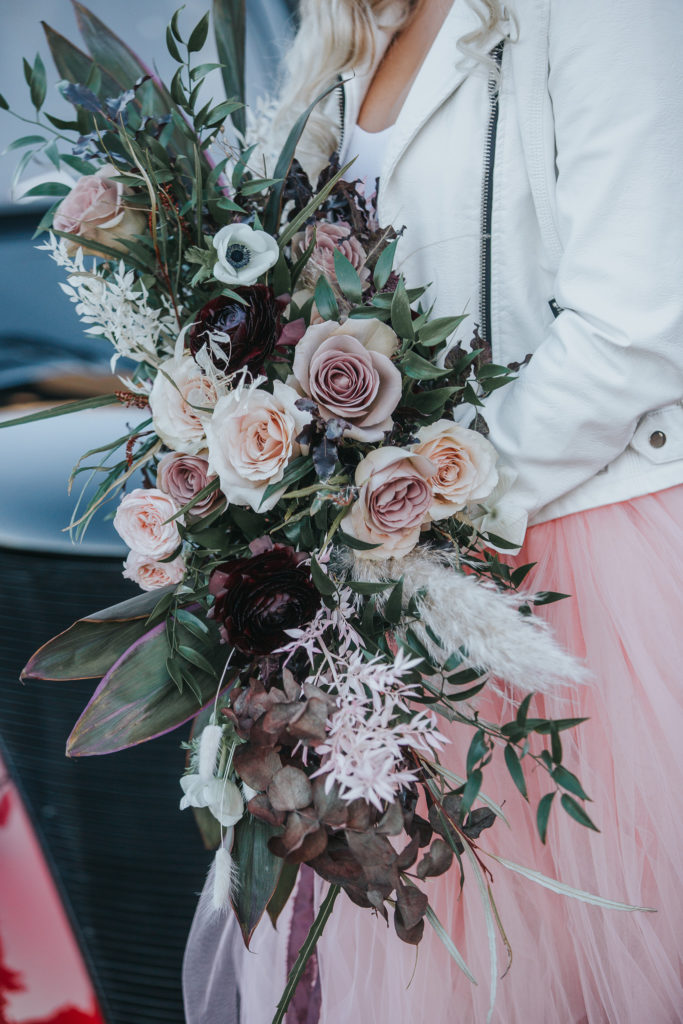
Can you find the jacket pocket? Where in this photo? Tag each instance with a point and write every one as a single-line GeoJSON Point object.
{"type": "Point", "coordinates": [659, 434]}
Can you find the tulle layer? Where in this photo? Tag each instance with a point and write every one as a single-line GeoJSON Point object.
{"type": "Point", "coordinates": [572, 963]}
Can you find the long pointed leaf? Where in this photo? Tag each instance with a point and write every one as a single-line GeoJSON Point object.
{"type": "Point", "coordinates": [89, 648]}
{"type": "Point", "coordinates": [137, 701]}
{"type": "Point", "coordinates": [74, 65]}
{"type": "Point", "coordinates": [229, 26]}
{"type": "Point", "coordinates": [60, 410]}
{"type": "Point", "coordinates": [566, 890]}
{"type": "Point", "coordinates": [259, 872]}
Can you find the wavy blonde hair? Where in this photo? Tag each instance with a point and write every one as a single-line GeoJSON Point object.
{"type": "Point", "coordinates": [336, 37]}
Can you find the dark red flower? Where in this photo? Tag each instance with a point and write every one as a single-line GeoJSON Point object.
{"type": "Point", "coordinates": [258, 598]}
{"type": "Point", "coordinates": [250, 331]}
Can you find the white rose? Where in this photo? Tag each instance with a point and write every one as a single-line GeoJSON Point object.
{"type": "Point", "coordinates": [141, 521]}
{"type": "Point", "coordinates": [465, 466]}
{"type": "Point", "coordinates": [150, 574]}
{"type": "Point", "coordinates": [180, 394]}
{"type": "Point", "coordinates": [221, 796]}
{"type": "Point", "coordinates": [252, 438]}
{"type": "Point", "coordinates": [243, 254]}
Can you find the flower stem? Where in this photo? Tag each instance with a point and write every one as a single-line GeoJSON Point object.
{"type": "Point", "coordinates": [305, 953]}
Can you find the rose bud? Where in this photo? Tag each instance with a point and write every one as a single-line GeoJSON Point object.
{"type": "Point", "coordinates": [258, 598]}
{"type": "Point", "coordinates": [150, 574]}
{"type": "Point", "coordinates": [95, 209]}
{"type": "Point", "coordinates": [183, 477]}
{"type": "Point", "coordinates": [237, 335]}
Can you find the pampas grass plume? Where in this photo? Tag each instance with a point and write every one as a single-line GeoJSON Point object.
{"type": "Point", "coordinates": [209, 745]}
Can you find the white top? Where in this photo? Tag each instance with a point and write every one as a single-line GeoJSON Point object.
{"type": "Point", "coordinates": [369, 149]}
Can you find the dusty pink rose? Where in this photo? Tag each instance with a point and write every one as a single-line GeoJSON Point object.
{"type": "Point", "coordinates": [95, 210]}
{"type": "Point", "coordinates": [181, 400]}
{"type": "Point", "coordinates": [465, 466]}
{"type": "Point", "coordinates": [393, 502]}
{"type": "Point", "coordinates": [184, 476]}
{"type": "Point", "coordinates": [149, 574]}
{"type": "Point", "coordinates": [141, 521]}
{"type": "Point", "coordinates": [331, 237]}
{"type": "Point", "coordinates": [252, 438]}
{"type": "Point", "coordinates": [347, 370]}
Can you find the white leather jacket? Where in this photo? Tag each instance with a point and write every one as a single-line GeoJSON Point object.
{"type": "Point", "coordinates": [575, 181]}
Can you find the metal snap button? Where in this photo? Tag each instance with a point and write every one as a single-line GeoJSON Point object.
{"type": "Point", "coordinates": [658, 439]}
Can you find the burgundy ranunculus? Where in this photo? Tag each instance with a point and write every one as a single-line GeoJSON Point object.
{"type": "Point", "coordinates": [250, 331]}
{"type": "Point", "coordinates": [258, 598]}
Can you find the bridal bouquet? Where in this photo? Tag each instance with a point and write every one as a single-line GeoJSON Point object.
{"type": "Point", "coordinates": [316, 594]}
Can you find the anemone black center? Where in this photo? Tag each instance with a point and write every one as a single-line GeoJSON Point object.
{"type": "Point", "coordinates": [238, 255]}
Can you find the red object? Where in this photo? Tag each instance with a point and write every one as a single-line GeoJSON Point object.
{"type": "Point", "coordinates": [43, 979]}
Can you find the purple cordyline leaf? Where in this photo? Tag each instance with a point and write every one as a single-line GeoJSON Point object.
{"type": "Point", "coordinates": [89, 648]}
{"type": "Point", "coordinates": [137, 701]}
{"type": "Point", "coordinates": [81, 96]}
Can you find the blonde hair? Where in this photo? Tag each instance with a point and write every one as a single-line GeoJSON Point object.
{"type": "Point", "coordinates": [336, 37]}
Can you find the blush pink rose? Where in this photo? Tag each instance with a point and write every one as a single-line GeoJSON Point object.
{"type": "Point", "coordinates": [465, 466]}
{"type": "Point", "coordinates": [183, 477]}
{"type": "Point", "coordinates": [395, 495]}
{"type": "Point", "coordinates": [347, 370]}
{"type": "Point", "coordinates": [181, 400]}
{"type": "Point", "coordinates": [149, 574]}
{"type": "Point", "coordinates": [95, 210]}
{"type": "Point", "coordinates": [252, 438]}
{"type": "Point", "coordinates": [141, 521]}
{"type": "Point", "coordinates": [328, 238]}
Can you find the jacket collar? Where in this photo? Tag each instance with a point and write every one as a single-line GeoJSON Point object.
{"type": "Point", "coordinates": [444, 68]}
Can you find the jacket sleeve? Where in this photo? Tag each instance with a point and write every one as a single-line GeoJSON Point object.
{"type": "Point", "coordinates": [615, 352]}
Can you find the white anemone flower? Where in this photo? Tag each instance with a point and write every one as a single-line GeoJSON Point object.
{"type": "Point", "coordinates": [221, 796]}
{"type": "Point", "coordinates": [243, 254]}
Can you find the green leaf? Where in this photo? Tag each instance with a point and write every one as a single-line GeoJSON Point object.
{"type": "Point", "coordinates": [258, 870]}
{"type": "Point", "coordinates": [4, 105]}
{"type": "Point", "coordinates": [271, 219]}
{"type": "Point", "coordinates": [322, 581]}
{"type": "Point", "coordinates": [353, 542]}
{"type": "Point", "coordinates": [384, 265]}
{"type": "Point", "coordinates": [76, 164]}
{"type": "Point", "coordinates": [202, 70]}
{"type": "Point", "coordinates": [576, 811]}
{"type": "Point", "coordinates": [418, 368]}
{"type": "Point", "coordinates": [477, 750]}
{"type": "Point", "coordinates": [394, 606]}
{"type": "Point", "coordinates": [347, 277]}
{"type": "Point", "coordinates": [283, 891]}
{"type": "Point", "coordinates": [25, 140]}
{"type": "Point", "coordinates": [60, 410]}
{"type": "Point", "coordinates": [471, 791]}
{"type": "Point", "coordinates": [401, 316]}
{"type": "Point", "coordinates": [172, 46]}
{"type": "Point", "coordinates": [363, 587]}
{"type": "Point", "coordinates": [296, 470]}
{"type": "Point", "coordinates": [38, 83]}
{"type": "Point", "coordinates": [439, 329]}
{"type": "Point", "coordinates": [256, 185]}
{"type": "Point", "coordinates": [563, 777]}
{"type": "Point", "coordinates": [75, 66]}
{"type": "Point", "coordinates": [548, 597]}
{"type": "Point", "coordinates": [89, 648]}
{"type": "Point", "coordinates": [515, 770]}
{"type": "Point", "coordinates": [49, 188]}
{"type": "Point", "coordinates": [199, 34]}
{"type": "Point", "coordinates": [325, 300]}
{"type": "Point", "coordinates": [174, 24]}
{"type": "Point", "coordinates": [430, 401]}
{"type": "Point", "coordinates": [229, 26]}
{"type": "Point", "coordinates": [543, 814]}
{"type": "Point", "coordinates": [196, 658]}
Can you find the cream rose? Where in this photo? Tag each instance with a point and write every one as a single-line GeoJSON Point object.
{"type": "Point", "coordinates": [395, 495]}
{"type": "Point", "coordinates": [150, 574]}
{"type": "Point", "coordinates": [243, 254]}
{"type": "Point", "coordinates": [96, 211]}
{"type": "Point", "coordinates": [465, 466]}
{"type": "Point", "coordinates": [181, 401]}
{"type": "Point", "coordinates": [141, 521]}
{"type": "Point", "coordinates": [252, 438]}
{"type": "Point", "coordinates": [347, 370]}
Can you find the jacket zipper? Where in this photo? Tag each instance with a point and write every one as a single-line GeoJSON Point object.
{"type": "Point", "coordinates": [342, 115]}
{"type": "Point", "coordinates": [487, 202]}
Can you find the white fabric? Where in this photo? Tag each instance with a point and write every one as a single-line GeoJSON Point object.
{"type": "Point", "coordinates": [368, 149]}
{"type": "Point", "coordinates": [587, 208]}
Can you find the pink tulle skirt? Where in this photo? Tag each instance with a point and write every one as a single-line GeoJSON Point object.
{"type": "Point", "coordinates": [572, 963]}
